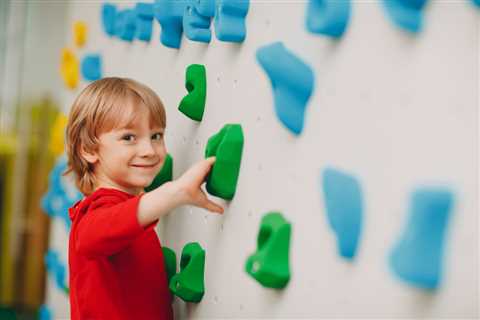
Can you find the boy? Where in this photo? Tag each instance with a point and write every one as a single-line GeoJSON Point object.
{"type": "Point", "coordinates": [115, 147]}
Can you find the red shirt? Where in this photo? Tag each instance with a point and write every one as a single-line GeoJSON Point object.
{"type": "Point", "coordinates": [116, 266]}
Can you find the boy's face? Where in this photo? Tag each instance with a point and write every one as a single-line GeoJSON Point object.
{"type": "Point", "coordinates": [129, 157]}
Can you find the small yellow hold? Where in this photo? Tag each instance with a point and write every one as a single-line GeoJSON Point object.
{"type": "Point", "coordinates": [80, 33]}
{"type": "Point", "coordinates": [57, 135]}
{"type": "Point", "coordinates": [70, 68]}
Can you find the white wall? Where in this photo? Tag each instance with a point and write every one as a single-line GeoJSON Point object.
{"type": "Point", "coordinates": [397, 111]}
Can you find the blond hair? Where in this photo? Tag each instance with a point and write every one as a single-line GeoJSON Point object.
{"type": "Point", "coordinates": [98, 109]}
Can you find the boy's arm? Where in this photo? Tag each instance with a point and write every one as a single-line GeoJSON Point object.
{"type": "Point", "coordinates": [108, 229]}
{"type": "Point", "coordinates": [184, 190]}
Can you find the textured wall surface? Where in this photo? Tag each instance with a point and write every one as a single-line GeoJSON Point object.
{"type": "Point", "coordinates": [396, 111]}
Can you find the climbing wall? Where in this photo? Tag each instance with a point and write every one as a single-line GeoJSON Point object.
{"type": "Point", "coordinates": [389, 134]}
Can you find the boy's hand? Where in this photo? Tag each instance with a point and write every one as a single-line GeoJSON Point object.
{"type": "Point", "coordinates": [189, 186]}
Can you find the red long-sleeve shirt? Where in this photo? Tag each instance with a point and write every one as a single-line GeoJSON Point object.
{"type": "Point", "coordinates": [116, 266]}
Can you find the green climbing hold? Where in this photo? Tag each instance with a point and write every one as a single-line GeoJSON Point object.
{"type": "Point", "coordinates": [193, 104]}
{"type": "Point", "coordinates": [270, 264]}
{"type": "Point", "coordinates": [170, 259]}
{"type": "Point", "coordinates": [227, 146]}
{"type": "Point", "coordinates": [164, 175]}
{"type": "Point", "coordinates": [188, 283]}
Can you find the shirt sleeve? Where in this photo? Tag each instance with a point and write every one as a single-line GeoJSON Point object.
{"type": "Point", "coordinates": [109, 228]}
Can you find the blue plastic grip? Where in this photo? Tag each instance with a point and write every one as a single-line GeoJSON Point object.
{"type": "Point", "coordinates": [109, 13]}
{"type": "Point", "coordinates": [144, 13]}
{"type": "Point", "coordinates": [417, 256]}
{"type": "Point", "coordinates": [230, 20]}
{"type": "Point", "coordinates": [344, 209]}
{"type": "Point", "coordinates": [61, 195]}
{"type": "Point", "coordinates": [195, 25]}
{"type": "Point", "coordinates": [92, 67]}
{"type": "Point", "coordinates": [169, 13]}
{"type": "Point", "coordinates": [292, 83]}
{"type": "Point", "coordinates": [406, 14]}
{"type": "Point", "coordinates": [328, 17]}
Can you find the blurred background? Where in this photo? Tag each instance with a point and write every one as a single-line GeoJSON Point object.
{"type": "Point", "coordinates": [32, 34]}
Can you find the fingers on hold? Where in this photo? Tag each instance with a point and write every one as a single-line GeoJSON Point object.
{"type": "Point", "coordinates": [211, 160]}
{"type": "Point", "coordinates": [214, 207]}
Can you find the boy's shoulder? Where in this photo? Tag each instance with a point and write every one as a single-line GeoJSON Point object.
{"type": "Point", "coordinates": [99, 198]}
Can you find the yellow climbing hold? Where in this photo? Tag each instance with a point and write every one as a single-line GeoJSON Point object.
{"type": "Point", "coordinates": [69, 68]}
{"type": "Point", "coordinates": [57, 135]}
{"type": "Point", "coordinates": [80, 33]}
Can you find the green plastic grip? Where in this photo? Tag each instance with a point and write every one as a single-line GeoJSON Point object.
{"type": "Point", "coordinates": [227, 147]}
{"type": "Point", "coordinates": [193, 104]}
{"type": "Point", "coordinates": [164, 175]}
{"type": "Point", "coordinates": [188, 284]}
{"type": "Point", "coordinates": [170, 259]}
{"type": "Point", "coordinates": [269, 265]}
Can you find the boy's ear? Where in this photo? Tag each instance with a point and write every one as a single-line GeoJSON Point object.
{"type": "Point", "coordinates": [90, 156]}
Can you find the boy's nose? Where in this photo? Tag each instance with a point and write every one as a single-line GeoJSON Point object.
{"type": "Point", "coordinates": [147, 149]}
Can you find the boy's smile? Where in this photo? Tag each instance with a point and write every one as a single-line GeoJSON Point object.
{"type": "Point", "coordinates": [131, 154]}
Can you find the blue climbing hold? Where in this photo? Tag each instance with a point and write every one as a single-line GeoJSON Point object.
{"type": "Point", "coordinates": [406, 14]}
{"type": "Point", "coordinates": [109, 13]}
{"type": "Point", "coordinates": [417, 256]}
{"type": "Point", "coordinates": [61, 195]}
{"type": "Point", "coordinates": [328, 17]}
{"type": "Point", "coordinates": [292, 83]}
{"type": "Point", "coordinates": [44, 313]}
{"type": "Point", "coordinates": [230, 20]}
{"type": "Point", "coordinates": [476, 3]}
{"type": "Point", "coordinates": [169, 13]}
{"type": "Point", "coordinates": [92, 67]}
{"type": "Point", "coordinates": [195, 25]}
{"type": "Point", "coordinates": [126, 24]}
{"type": "Point", "coordinates": [144, 13]}
{"type": "Point", "coordinates": [205, 7]}
{"type": "Point", "coordinates": [56, 268]}
{"type": "Point", "coordinates": [344, 208]}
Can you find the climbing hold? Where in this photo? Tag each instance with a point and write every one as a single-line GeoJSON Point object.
{"type": "Point", "coordinates": [170, 259]}
{"type": "Point", "coordinates": [169, 14]}
{"type": "Point", "coordinates": [62, 193]}
{"type": "Point", "coordinates": [476, 2]}
{"type": "Point", "coordinates": [193, 104]}
{"type": "Point", "coordinates": [92, 67]}
{"type": "Point", "coordinates": [205, 7]}
{"type": "Point", "coordinates": [126, 24]}
{"type": "Point", "coordinates": [227, 147]}
{"type": "Point", "coordinates": [80, 33]}
{"type": "Point", "coordinates": [164, 175]}
{"type": "Point", "coordinates": [292, 83]}
{"type": "Point", "coordinates": [269, 265]}
{"type": "Point", "coordinates": [44, 313]}
{"type": "Point", "coordinates": [57, 135]}
{"type": "Point", "coordinates": [56, 269]}
{"type": "Point", "coordinates": [144, 13]}
{"type": "Point", "coordinates": [69, 68]}
{"type": "Point", "coordinates": [417, 256]}
{"type": "Point", "coordinates": [196, 26]}
{"type": "Point", "coordinates": [344, 209]}
{"type": "Point", "coordinates": [406, 14]}
{"type": "Point", "coordinates": [188, 284]}
{"type": "Point", "coordinates": [109, 13]}
{"type": "Point", "coordinates": [328, 17]}
{"type": "Point", "coordinates": [230, 20]}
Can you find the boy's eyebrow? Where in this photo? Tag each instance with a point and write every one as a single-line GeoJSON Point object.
{"type": "Point", "coordinates": [130, 127]}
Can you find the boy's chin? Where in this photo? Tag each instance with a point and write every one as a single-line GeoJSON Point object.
{"type": "Point", "coordinates": [141, 184]}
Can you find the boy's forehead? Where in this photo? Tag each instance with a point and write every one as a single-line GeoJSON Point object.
{"type": "Point", "coordinates": [133, 117]}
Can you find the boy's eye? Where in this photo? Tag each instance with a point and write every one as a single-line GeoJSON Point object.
{"type": "Point", "coordinates": [129, 137]}
{"type": "Point", "coordinates": [157, 136]}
